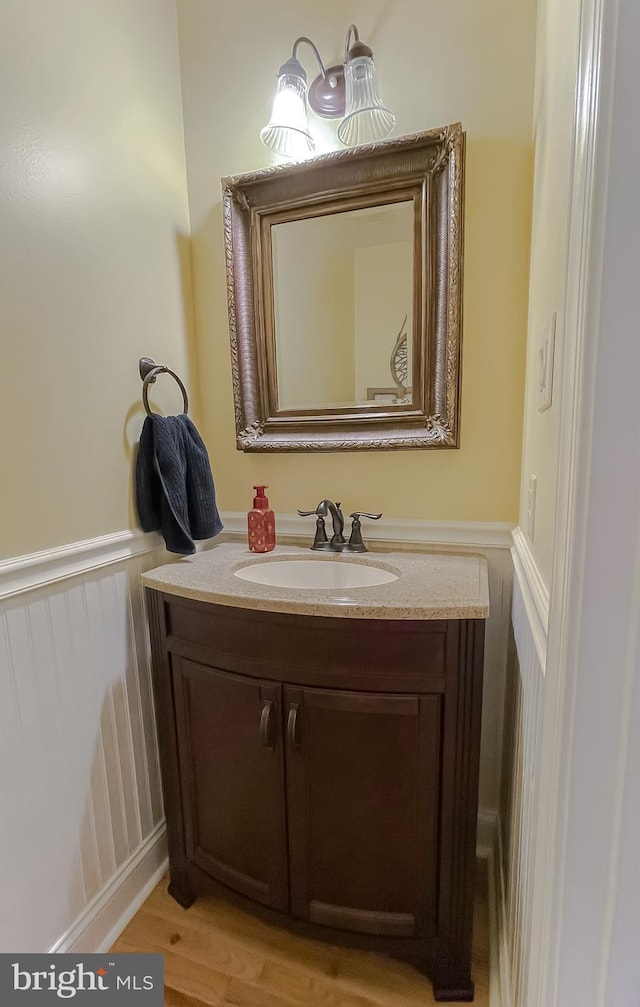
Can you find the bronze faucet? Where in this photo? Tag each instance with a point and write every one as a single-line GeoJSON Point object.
{"type": "Point", "coordinates": [338, 543]}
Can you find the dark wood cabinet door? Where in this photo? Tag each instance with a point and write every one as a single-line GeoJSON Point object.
{"type": "Point", "coordinates": [232, 777]}
{"type": "Point", "coordinates": [362, 791]}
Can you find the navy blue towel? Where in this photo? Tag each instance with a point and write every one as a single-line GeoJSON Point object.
{"type": "Point", "coordinates": [175, 494]}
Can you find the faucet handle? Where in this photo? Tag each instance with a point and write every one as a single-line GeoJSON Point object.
{"type": "Point", "coordinates": [355, 541]}
{"type": "Point", "coordinates": [321, 533]}
{"type": "Point", "coordinates": [321, 510]}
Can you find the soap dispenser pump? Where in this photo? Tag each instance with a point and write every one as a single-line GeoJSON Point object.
{"type": "Point", "coordinates": [261, 523]}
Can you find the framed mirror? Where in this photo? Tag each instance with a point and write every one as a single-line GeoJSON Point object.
{"type": "Point", "coordinates": [344, 280]}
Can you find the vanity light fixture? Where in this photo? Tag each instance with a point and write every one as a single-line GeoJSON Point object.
{"type": "Point", "coordinates": [346, 91]}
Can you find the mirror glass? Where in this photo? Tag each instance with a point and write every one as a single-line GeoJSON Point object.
{"type": "Point", "coordinates": [343, 292]}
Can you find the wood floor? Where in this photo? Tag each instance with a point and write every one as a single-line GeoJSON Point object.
{"type": "Point", "coordinates": [218, 956]}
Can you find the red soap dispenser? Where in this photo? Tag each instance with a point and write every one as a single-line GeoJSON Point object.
{"type": "Point", "coordinates": [261, 523]}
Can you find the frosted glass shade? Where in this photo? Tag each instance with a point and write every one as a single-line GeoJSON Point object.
{"type": "Point", "coordinates": [287, 133]}
{"type": "Point", "coordinates": [366, 117]}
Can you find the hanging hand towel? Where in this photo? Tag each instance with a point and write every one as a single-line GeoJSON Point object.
{"type": "Point", "coordinates": [175, 494]}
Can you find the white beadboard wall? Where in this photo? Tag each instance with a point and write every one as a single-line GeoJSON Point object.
{"type": "Point", "coordinates": [519, 812]}
{"type": "Point", "coordinates": [80, 790]}
{"type": "Point", "coordinates": [82, 831]}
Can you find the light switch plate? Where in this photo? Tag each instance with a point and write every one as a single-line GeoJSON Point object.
{"type": "Point", "coordinates": [531, 507]}
{"type": "Point", "coordinates": [546, 351]}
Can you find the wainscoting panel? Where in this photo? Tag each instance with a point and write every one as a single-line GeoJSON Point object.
{"type": "Point", "coordinates": [79, 775]}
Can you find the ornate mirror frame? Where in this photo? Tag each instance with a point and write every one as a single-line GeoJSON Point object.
{"type": "Point", "coordinates": [426, 168]}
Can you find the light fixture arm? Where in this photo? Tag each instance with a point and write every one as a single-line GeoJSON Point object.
{"type": "Point", "coordinates": [303, 38]}
{"type": "Point", "coordinates": [351, 30]}
{"type": "Point", "coordinates": [355, 48]}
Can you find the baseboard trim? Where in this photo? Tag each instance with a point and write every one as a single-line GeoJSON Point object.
{"type": "Point", "coordinates": [470, 534]}
{"type": "Point", "coordinates": [104, 919]}
{"type": "Point", "coordinates": [535, 594]}
{"type": "Point", "coordinates": [37, 569]}
{"type": "Point", "coordinates": [489, 848]}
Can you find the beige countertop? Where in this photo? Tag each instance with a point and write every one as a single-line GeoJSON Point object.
{"type": "Point", "coordinates": [429, 585]}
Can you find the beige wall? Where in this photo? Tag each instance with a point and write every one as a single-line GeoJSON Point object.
{"type": "Point", "coordinates": [314, 341]}
{"type": "Point", "coordinates": [438, 63]}
{"type": "Point", "coordinates": [383, 297]}
{"type": "Point", "coordinates": [556, 74]}
{"type": "Point", "coordinates": [94, 268]}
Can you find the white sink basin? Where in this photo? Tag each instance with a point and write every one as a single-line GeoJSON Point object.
{"type": "Point", "coordinates": [310, 573]}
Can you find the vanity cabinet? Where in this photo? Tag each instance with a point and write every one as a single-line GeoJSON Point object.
{"type": "Point", "coordinates": [323, 773]}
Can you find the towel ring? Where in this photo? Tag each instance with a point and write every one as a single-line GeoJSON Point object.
{"type": "Point", "coordinates": [149, 370]}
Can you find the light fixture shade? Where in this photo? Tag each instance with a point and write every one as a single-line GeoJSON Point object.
{"type": "Point", "coordinates": [366, 117]}
{"type": "Point", "coordinates": [287, 132]}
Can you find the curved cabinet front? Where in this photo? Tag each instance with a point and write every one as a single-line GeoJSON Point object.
{"type": "Point", "coordinates": [325, 772]}
{"type": "Point", "coordinates": [362, 793]}
{"type": "Point", "coordinates": [232, 780]}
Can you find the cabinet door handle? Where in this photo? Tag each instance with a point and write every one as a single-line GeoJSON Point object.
{"type": "Point", "coordinates": [292, 726]}
{"type": "Point", "coordinates": [266, 725]}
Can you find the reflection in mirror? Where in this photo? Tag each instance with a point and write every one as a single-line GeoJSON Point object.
{"type": "Point", "coordinates": [343, 291]}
